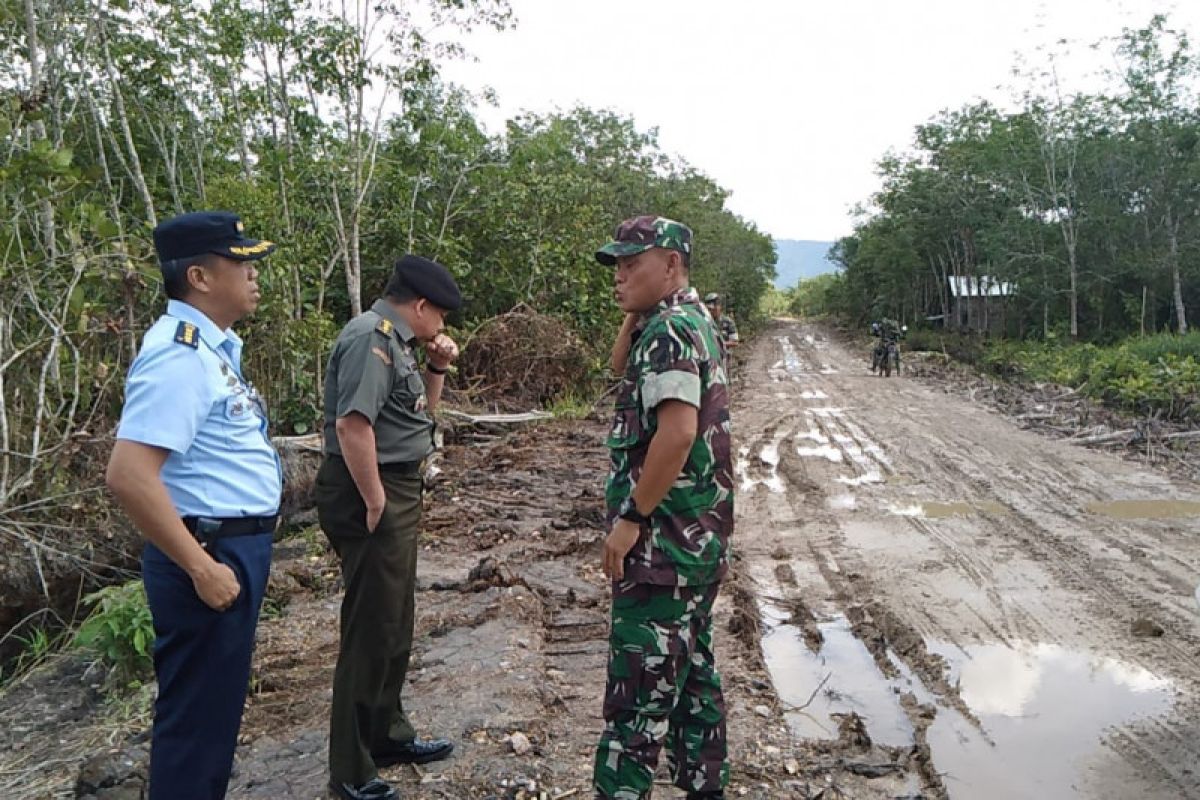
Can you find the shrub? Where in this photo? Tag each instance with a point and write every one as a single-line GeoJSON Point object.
{"type": "Point", "coordinates": [1157, 375]}
{"type": "Point", "coordinates": [119, 630]}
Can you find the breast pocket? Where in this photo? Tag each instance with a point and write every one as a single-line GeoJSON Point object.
{"type": "Point", "coordinates": [238, 408]}
{"type": "Point", "coordinates": [408, 389]}
{"type": "Point", "coordinates": [627, 429]}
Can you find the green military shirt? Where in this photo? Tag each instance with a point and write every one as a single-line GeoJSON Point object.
{"type": "Point", "coordinates": [676, 355]}
{"type": "Point", "coordinates": [372, 370]}
{"type": "Point", "coordinates": [728, 328]}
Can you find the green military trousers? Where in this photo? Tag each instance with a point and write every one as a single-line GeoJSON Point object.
{"type": "Point", "coordinates": [663, 687]}
{"type": "Point", "coordinates": [379, 570]}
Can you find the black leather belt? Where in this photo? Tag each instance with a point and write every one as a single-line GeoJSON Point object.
{"type": "Point", "coordinates": [402, 467]}
{"type": "Point", "coordinates": [209, 528]}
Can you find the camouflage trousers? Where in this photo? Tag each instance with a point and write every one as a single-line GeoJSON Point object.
{"type": "Point", "coordinates": [663, 687]}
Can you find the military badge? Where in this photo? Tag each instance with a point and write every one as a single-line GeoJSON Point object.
{"type": "Point", "coordinates": [187, 334]}
{"type": "Point", "coordinates": [383, 356]}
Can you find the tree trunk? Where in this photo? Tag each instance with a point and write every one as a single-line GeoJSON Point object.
{"type": "Point", "coordinates": [1176, 280]}
{"type": "Point", "coordinates": [45, 208]}
{"type": "Point", "coordinates": [134, 162]}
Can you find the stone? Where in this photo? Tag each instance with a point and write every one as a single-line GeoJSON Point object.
{"type": "Point", "coordinates": [520, 744]}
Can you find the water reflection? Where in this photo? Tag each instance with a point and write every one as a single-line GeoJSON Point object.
{"type": "Point", "coordinates": [1044, 710]}
{"type": "Point", "coordinates": [1146, 509]}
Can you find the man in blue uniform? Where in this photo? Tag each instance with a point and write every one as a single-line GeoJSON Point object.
{"type": "Point", "coordinates": [194, 468]}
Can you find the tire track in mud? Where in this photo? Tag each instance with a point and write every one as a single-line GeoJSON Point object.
{"type": "Point", "coordinates": [1020, 562]}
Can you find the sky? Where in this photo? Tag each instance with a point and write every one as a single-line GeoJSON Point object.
{"type": "Point", "coordinates": [788, 104]}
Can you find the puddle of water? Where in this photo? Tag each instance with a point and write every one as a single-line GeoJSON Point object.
{"type": "Point", "coordinates": [1146, 509]}
{"type": "Point", "coordinates": [827, 411]}
{"type": "Point", "coordinates": [815, 435]}
{"type": "Point", "coordinates": [854, 682]}
{"type": "Point", "coordinates": [825, 451]}
{"type": "Point", "coordinates": [932, 510]}
{"type": "Point", "coordinates": [768, 456]}
{"type": "Point", "coordinates": [871, 476]}
{"type": "Point", "coordinates": [841, 502]}
{"type": "Point", "coordinates": [813, 394]}
{"type": "Point", "coordinates": [1045, 710]}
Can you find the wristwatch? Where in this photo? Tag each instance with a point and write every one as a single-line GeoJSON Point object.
{"type": "Point", "coordinates": [628, 510]}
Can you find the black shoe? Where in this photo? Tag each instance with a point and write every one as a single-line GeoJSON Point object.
{"type": "Point", "coordinates": [374, 789]}
{"type": "Point", "coordinates": [417, 751]}
{"type": "Point", "coordinates": [719, 794]}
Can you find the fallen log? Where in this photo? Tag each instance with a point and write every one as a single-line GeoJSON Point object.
{"type": "Point", "coordinates": [497, 419]}
{"type": "Point", "coordinates": [1104, 438]}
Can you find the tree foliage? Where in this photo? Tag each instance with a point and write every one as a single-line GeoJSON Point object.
{"type": "Point", "coordinates": [1088, 204]}
{"type": "Point", "coordinates": [328, 127]}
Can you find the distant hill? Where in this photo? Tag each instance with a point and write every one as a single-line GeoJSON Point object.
{"type": "Point", "coordinates": [799, 259]}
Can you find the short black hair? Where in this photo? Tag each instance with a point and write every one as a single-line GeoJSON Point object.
{"type": "Point", "coordinates": [398, 290]}
{"type": "Point", "coordinates": [174, 271]}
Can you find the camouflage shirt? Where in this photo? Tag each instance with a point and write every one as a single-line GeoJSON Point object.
{"type": "Point", "coordinates": [728, 328]}
{"type": "Point", "coordinates": [676, 355]}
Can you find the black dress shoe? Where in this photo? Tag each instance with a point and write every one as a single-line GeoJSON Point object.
{"type": "Point", "coordinates": [418, 751]}
{"type": "Point", "coordinates": [374, 789]}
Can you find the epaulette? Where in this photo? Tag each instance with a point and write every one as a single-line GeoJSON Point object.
{"type": "Point", "coordinates": [385, 327]}
{"type": "Point", "coordinates": [186, 334]}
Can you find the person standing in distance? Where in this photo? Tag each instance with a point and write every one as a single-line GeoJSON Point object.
{"type": "Point", "coordinates": [378, 431]}
{"type": "Point", "coordinates": [725, 323]}
{"type": "Point", "coordinates": [669, 499]}
{"type": "Point", "coordinates": [194, 468]}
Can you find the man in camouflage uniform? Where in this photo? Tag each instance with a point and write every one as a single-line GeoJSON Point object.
{"type": "Point", "coordinates": [670, 507]}
{"type": "Point", "coordinates": [725, 323]}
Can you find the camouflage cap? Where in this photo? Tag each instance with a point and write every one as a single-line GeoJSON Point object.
{"type": "Point", "coordinates": [712, 298]}
{"type": "Point", "coordinates": [639, 234]}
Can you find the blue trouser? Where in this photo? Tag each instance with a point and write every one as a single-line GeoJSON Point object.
{"type": "Point", "coordinates": [202, 661]}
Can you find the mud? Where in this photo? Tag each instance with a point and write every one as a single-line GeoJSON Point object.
{"type": "Point", "coordinates": [981, 597]}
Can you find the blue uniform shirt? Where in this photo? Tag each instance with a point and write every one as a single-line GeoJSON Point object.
{"type": "Point", "coordinates": [193, 401]}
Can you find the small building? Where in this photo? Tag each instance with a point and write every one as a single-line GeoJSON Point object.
{"type": "Point", "coordinates": [978, 304]}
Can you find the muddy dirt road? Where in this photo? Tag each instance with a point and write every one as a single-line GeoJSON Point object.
{"type": "Point", "coordinates": [1019, 609]}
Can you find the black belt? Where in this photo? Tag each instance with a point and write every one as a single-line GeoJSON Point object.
{"type": "Point", "coordinates": [209, 528]}
{"type": "Point", "coordinates": [402, 467]}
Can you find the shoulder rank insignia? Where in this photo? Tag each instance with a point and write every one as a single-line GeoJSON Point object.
{"type": "Point", "coordinates": [188, 334]}
{"type": "Point", "coordinates": [385, 327]}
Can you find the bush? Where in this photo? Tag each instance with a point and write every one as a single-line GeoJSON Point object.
{"type": "Point", "coordinates": [1157, 375]}
{"type": "Point", "coordinates": [961, 347]}
{"type": "Point", "coordinates": [120, 631]}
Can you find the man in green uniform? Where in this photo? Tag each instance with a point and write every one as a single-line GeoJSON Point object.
{"type": "Point", "coordinates": [669, 500]}
{"type": "Point", "coordinates": [378, 431]}
{"type": "Point", "coordinates": [725, 323]}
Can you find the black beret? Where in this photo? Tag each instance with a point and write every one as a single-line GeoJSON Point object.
{"type": "Point", "coordinates": [430, 280]}
{"type": "Point", "coordinates": [201, 232]}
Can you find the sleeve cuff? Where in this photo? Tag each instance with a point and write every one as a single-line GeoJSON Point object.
{"type": "Point", "coordinates": [673, 385]}
{"type": "Point", "coordinates": [153, 438]}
